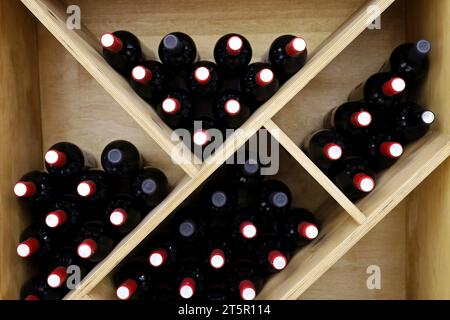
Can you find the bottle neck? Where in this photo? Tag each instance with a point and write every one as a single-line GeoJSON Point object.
{"type": "Point", "coordinates": [419, 51]}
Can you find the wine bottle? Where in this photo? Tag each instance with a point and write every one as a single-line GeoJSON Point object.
{"type": "Point", "coordinates": [64, 215]}
{"type": "Point", "coordinates": [162, 251]}
{"type": "Point", "coordinates": [382, 90]}
{"type": "Point", "coordinates": [177, 51]}
{"type": "Point", "coordinates": [298, 227]}
{"type": "Point", "coordinates": [37, 289]}
{"type": "Point", "coordinates": [133, 280]}
{"type": "Point", "coordinates": [219, 197]}
{"type": "Point", "coordinates": [35, 188]}
{"type": "Point", "coordinates": [148, 79]}
{"type": "Point", "coordinates": [36, 241]}
{"type": "Point", "coordinates": [245, 283]}
{"type": "Point", "coordinates": [190, 228]}
{"type": "Point", "coordinates": [150, 186]}
{"type": "Point", "coordinates": [121, 158]}
{"type": "Point", "coordinates": [351, 119]}
{"type": "Point", "coordinates": [274, 197]}
{"type": "Point", "coordinates": [176, 109]}
{"type": "Point", "coordinates": [124, 214]}
{"type": "Point", "coordinates": [247, 171]}
{"type": "Point", "coordinates": [122, 50]}
{"type": "Point", "coordinates": [95, 241]}
{"type": "Point", "coordinates": [245, 227]}
{"type": "Point", "coordinates": [382, 151]}
{"type": "Point", "coordinates": [287, 55]}
{"type": "Point", "coordinates": [190, 278]}
{"type": "Point", "coordinates": [218, 248]}
{"type": "Point", "coordinates": [230, 109]}
{"type": "Point", "coordinates": [324, 148]}
{"type": "Point", "coordinates": [232, 54]}
{"type": "Point", "coordinates": [354, 177]}
{"type": "Point", "coordinates": [410, 61]}
{"type": "Point", "coordinates": [271, 254]}
{"type": "Point", "coordinates": [411, 121]}
{"type": "Point", "coordinates": [202, 131]}
{"type": "Point", "coordinates": [65, 159]}
{"type": "Point", "coordinates": [259, 82]}
{"type": "Point", "coordinates": [58, 267]}
{"type": "Point", "coordinates": [203, 79]}
{"type": "Point", "coordinates": [93, 186]}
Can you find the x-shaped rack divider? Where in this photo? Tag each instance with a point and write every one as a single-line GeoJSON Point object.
{"type": "Point", "coordinates": [85, 48]}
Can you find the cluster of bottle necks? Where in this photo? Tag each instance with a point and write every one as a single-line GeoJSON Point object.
{"type": "Point", "coordinates": [186, 90]}
{"type": "Point", "coordinates": [80, 213]}
{"type": "Point", "coordinates": [241, 230]}
{"type": "Point", "coordinates": [369, 132]}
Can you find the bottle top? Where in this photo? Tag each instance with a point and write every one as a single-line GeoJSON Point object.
{"type": "Point", "coordinates": [234, 45]}
{"type": "Point", "coordinates": [56, 218]}
{"type": "Point", "coordinates": [296, 46]}
{"type": "Point", "coordinates": [55, 158]}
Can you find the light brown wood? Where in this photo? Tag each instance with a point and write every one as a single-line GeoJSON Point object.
{"type": "Point", "coordinates": [384, 247]}
{"type": "Point", "coordinates": [428, 237]}
{"type": "Point", "coordinates": [91, 118]}
{"type": "Point", "coordinates": [20, 134]}
{"type": "Point", "coordinates": [315, 172]}
{"type": "Point", "coordinates": [80, 44]}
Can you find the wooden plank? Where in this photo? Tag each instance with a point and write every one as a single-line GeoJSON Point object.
{"type": "Point", "coordinates": [419, 161]}
{"type": "Point", "coordinates": [428, 237]}
{"type": "Point", "coordinates": [82, 46]}
{"type": "Point", "coordinates": [314, 171]}
{"type": "Point", "coordinates": [20, 134]}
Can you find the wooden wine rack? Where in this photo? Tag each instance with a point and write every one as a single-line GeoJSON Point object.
{"type": "Point", "coordinates": [47, 97]}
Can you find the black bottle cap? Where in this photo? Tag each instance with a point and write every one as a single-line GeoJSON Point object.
{"type": "Point", "coordinates": [251, 167]}
{"type": "Point", "coordinates": [149, 186]}
{"type": "Point", "coordinates": [423, 47]}
{"type": "Point", "coordinates": [219, 199]}
{"type": "Point", "coordinates": [171, 42]}
{"type": "Point", "coordinates": [187, 228]}
{"type": "Point", "coordinates": [115, 156]}
{"type": "Point", "coordinates": [279, 199]}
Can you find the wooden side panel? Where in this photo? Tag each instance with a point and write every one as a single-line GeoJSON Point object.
{"type": "Point", "coordinates": [20, 133]}
{"type": "Point", "coordinates": [428, 208]}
